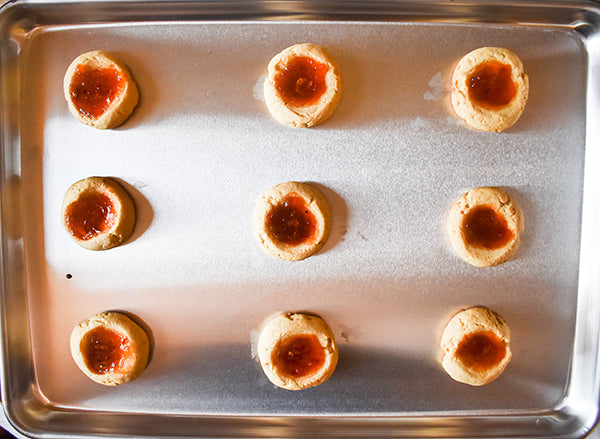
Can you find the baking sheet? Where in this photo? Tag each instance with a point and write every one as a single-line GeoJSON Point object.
{"type": "Point", "coordinates": [201, 148]}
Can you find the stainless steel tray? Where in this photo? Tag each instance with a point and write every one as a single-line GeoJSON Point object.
{"type": "Point", "coordinates": [201, 148]}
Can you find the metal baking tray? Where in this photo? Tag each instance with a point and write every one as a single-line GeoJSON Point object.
{"type": "Point", "coordinates": [201, 148]}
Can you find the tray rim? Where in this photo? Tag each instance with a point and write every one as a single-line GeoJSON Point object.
{"type": "Point", "coordinates": [573, 416]}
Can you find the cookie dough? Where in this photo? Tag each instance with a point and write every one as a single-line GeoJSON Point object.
{"type": "Point", "coordinates": [297, 351]}
{"type": "Point", "coordinates": [303, 86]}
{"type": "Point", "coordinates": [99, 90]}
{"type": "Point", "coordinates": [485, 226]}
{"type": "Point", "coordinates": [110, 348]}
{"type": "Point", "coordinates": [475, 346]}
{"type": "Point", "coordinates": [292, 221]}
{"type": "Point", "coordinates": [490, 89]}
{"type": "Point", "coordinates": [98, 213]}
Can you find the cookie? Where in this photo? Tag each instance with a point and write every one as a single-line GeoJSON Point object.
{"type": "Point", "coordinates": [490, 89]}
{"type": "Point", "coordinates": [303, 86]}
{"type": "Point", "coordinates": [98, 213]}
{"type": "Point", "coordinates": [99, 90]}
{"type": "Point", "coordinates": [475, 346]}
{"type": "Point", "coordinates": [292, 221]}
{"type": "Point", "coordinates": [110, 348]}
{"type": "Point", "coordinates": [485, 226]}
{"type": "Point", "coordinates": [297, 351]}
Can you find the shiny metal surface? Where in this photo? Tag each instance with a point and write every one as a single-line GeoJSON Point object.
{"type": "Point", "coordinates": [202, 147]}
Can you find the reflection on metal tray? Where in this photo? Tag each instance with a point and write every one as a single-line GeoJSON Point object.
{"type": "Point", "coordinates": [201, 148]}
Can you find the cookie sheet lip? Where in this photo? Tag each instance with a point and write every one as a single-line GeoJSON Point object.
{"type": "Point", "coordinates": [138, 347]}
{"type": "Point", "coordinates": [125, 215]}
{"type": "Point", "coordinates": [123, 105]}
{"type": "Point", "coordinates": [476, 116]}
{"type": "Point", "coordinates": [478, 319]}
{"type": "Point", "coordinates": [315, 202]}
{"type": "Point", "coordinates": [285, 325]}
{"type": "Point", "coordinates": [503, 204]}
{"type": "Point", "coordinates": [308, 116]}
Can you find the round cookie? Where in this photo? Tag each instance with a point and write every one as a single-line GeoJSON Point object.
{"type": "Point", "coordinates": [110, 348]}
{"type": "Point", "coordinates": [485, 226]}
{"type": "Point", "coordinates": [490, 89]}
{"type": "Point", "coordinates": [98, 213]}
{"type": "Point", "coordinates": [303, 86]}
{"type": "Point", "coordinates": [292, 221]}
{"type": "Point", "coordinates": [297, 351]}
{"type": "Point", "coordinates": [99, 90]}
{"type": "Point", "coordinates": [475, 346]}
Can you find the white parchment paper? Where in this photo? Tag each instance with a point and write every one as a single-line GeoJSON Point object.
{"type": "Point", "coordinates": [201, 148]}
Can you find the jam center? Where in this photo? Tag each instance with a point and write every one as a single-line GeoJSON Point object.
{"type": "Point", "coordinates": [299, 355]}
{"type": "Point", "coordinates": [93, 90]}
{"type": "Point", "coordinates": [302, 82]}
{"type": "Point", "coordinates": [91, 214]}
{"type": "Point", "coordinates": [491, 85]}
{"type": "Point", "coordinates": [485, 228]}
{"type": "Point", "coordinates": [105, 350]}
{"type": "Point", "coordinates": [291, 221]}
{"type": "Point", "coordinates": [481, 350]}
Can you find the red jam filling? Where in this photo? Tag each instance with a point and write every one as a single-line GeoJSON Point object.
{"type": "Point", "coordinates": [299, 355]}
{"type": "Point", "coordinates": [93, 90]}
{"type": "Point", "coordinates": [485, 228]}
{"type": "Point", "coordinates": [480, 351]}
{"type": "Point", "coordinates": [302, 82]}
{"type": "Point", "coordinates": [105, 350]}
{"type": "Point", "coordinates": [291, 221]}
{"type": "Point", "coordinates": [90, 215]}
{"type": "Point", "coordinates": [491, 85]}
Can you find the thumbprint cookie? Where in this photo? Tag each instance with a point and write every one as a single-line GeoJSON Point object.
{"type": "Point", "coordinates": [110, 348]}
{"type": "Point", "coordinates": [98, 213]}
{"type": "Point", "coordinates": [490, 89]}
{"type": "Point", "coordinates": [303, 86]}
{"type": "Point", "coordinates": [100, 90]}
{"type": "Point", "coordinates": [292, 221]}
{"type": "Point", "coordinates": [297, 351]}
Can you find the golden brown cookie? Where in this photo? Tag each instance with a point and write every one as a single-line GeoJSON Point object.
{"type": "Point", "coordinates": [98, 213]}
{"type": "Point", "coordinates": [110, 348]}
{"type": "Point", "coordinates": [475, 346]}
{"type": "Point", "coordinates": [99, 90]}
{"type": "Point", "coordinates": [297, 351]}
{"type": "Point", "coordinates": [303, 85]}
{"type": "Point", "coordinates": [292, 221]}
{"type": "Point", "coordinates": [490, 89]}
{"type": "Point", "coordinates": [485, 226]}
